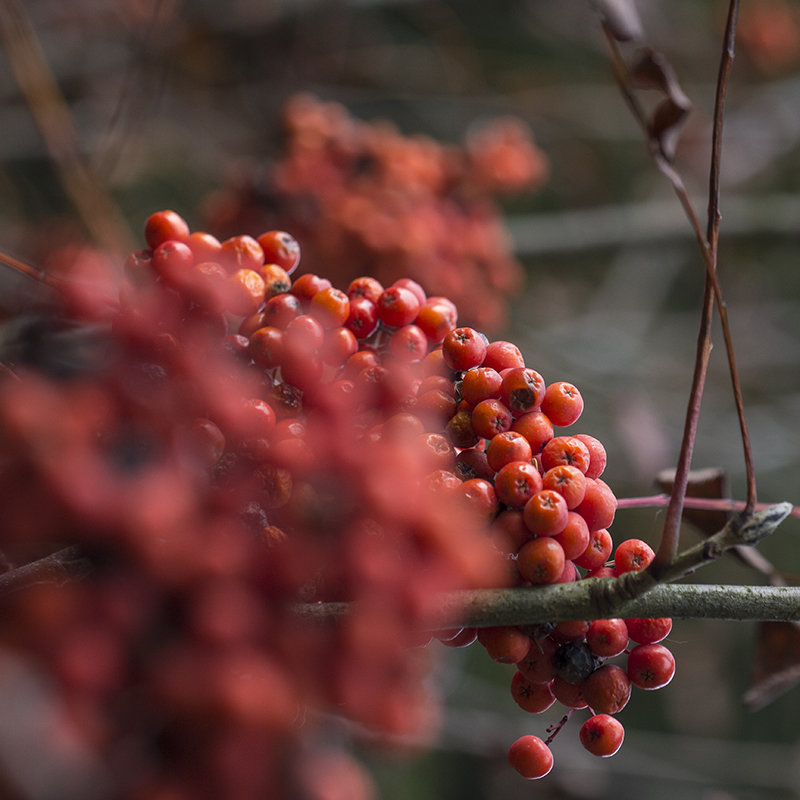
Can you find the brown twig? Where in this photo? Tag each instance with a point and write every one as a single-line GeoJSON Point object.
{"type": "Point", "coordinates": [59, 567]}
{"type": "Point", "coordinates": [52, 116]}
{"type": "Point", "coordinates": [708, 242]}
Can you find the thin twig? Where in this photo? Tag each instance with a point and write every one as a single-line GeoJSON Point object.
{"type": "Point", "coordinates": [708, 243]}
{"type": "Point", "coordinates": [52, 116]}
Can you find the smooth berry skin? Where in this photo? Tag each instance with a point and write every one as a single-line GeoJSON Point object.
{"type": "Point", "coordinates": [530, 757]}
{"type": "Point", "coordinates": [546, 513]}
{"type": "Point", "coordinates": [563, 403]}
{"type": "Point", "coordinates": [597, 455]}
{"type": "Point", "coordinates": [281, 248]}
{"type": "Point", "coordinates": [397, 306]}
{"type": "Point", "coordinates": [632, 555]}
{"type": "Point", "coordinates": [534, 698]}
{"type": "Point", "coordinates": [541, 561]}
{"type": "Point", "coordinates": [491, 417]}
{"type": "Point", "coordinates": [516, 482]}
{"type": "Point", "coordinates": [607, 637]}
{"type": "Point", "coordinates": [172, 261]}
{"type": "Point", "coordinates": [649, 631]}
{"type": "Point", "coordinates": [436, 319]}
{"type": "Point", "coordinates": [463, 348]}
{"type": "Point", "coordinates": [507, 447]}
{"type": "Point", "coordinates": [650, 666]}
{"type": "Point", "coordinates": [502, 355]}
{"type": "Point", "coordinates": [599, 504]}
{"type": "Point", "coordinates": [597, 551]}
{"type": "Point", "coordinates": [602, 735]}
{"type": "Point", "coordinates": [164, 226]}
{"type": "Point", "coordinates": [537, 666]}
{"type": "Point", "coordinates": [505, 643]}
{"type": "Point", "coordinates": [365, 286]}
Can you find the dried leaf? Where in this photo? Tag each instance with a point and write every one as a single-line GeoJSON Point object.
{"type": "Point", "coordinates": [776, 667]}
{"type": "Point", "coordinates": [651, 70]}
{"type": "Point", "coordinates": [620, 18]}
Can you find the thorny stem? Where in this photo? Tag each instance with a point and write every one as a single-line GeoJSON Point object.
{"type": "Point", "coordinates": [708, 243]}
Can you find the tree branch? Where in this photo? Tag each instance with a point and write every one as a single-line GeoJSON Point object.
{"type": "Point", "coordinates": [633, 594]}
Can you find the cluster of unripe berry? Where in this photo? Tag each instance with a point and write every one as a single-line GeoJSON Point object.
{"type": "Point", "coordinates": [482, 424]}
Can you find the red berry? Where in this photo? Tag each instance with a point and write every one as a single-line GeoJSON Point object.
{"type": "Point", "coordinates": [172, 261]}
{"type": "Point", "coordinates": [363, 317]}
{"type": "Point", "coordinates": [305, 286]}
{"type": "Point", "coordinates": [164, 226]}
{"type": "Point", "coordinates": [414, 288]}
{"type": "Point", "coordinates": [502, 355]}
{"type": "Point", "coordinates": [522, 390]}
{"type": "Point", "coordinates": [480, 498]}
{"type": "Point", "coordinates": [632, 555]}
{"type": "Point", "coordinates": [480, 383]}
{"type": "Point", "coordinates": [541, 560]}
{"type": "Point", "coordinates": [649, 631]}
{"type": "Point", "coordinates": [505, 644]}
{"type": "Point", "coordinates": [537, 666]}
{"type": "Point", "coordinates": [650, 666]}
{"type": "Point", "coordinates": [546, 514]}
{"type": "Point", "coordinates": [516, 482]}
{"type": "Point", "coordinates": [489, 418]}
{"type": "Point", "coordinates": [397, 306]}
{"type": "Point", "coordinates": [602, 735]}
{"type": "Point", "coordinates": [607, 637]}
{"type": "Point", "coordinates": [568, 450]}
{"type": "Point", "coordinates": [408, 344]}
{"type": "Point", "coordinates": [506, 447]}
{"type": "Point", "coordinates": [532, 697]}
{"type": "Point", "coordinates": [568, 481]}
{"type": "Point", "coordinates": [597, 551]}
{"type": "Point", "coordinates": [568, 694]}
{"type": "Point", "coordinates": [366, 287]}
{"type": "Point", "coordinates": [436, 319]}
{"type": "Point", "coordinates": [463, 348]}
{"type": "Point", "coordinates": [563, 403]}
{"type": "Point", "coordinates": [607, 690]}
{"type": "Point", "coordinates": [575, 536]}
{"type": "Point", "coordinates": [280, 248]}
{"type": "Point", "coordinates": [531, 757]}
{"type": "Point", "coordinates": [599, 505]}
{"type": "Point", "coordinates": [597, 455]}
{"type": "Point", "coordinates": [241, 252]}
{"type": "Point", "coordinates": [536, 427]}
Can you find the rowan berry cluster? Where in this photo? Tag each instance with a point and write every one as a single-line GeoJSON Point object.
{"type": "Point", "coordinates": [366, 199]}
{"type": "Point", "coordinates": [254, 437]}
{"type": "Point", "coordinates": [541, 492]}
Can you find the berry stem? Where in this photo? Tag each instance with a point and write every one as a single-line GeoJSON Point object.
{"type": "Point", "coordinates": [554, 729]}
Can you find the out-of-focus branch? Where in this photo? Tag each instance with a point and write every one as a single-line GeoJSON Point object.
{"type": "Point", "coordinates": [51, 113]}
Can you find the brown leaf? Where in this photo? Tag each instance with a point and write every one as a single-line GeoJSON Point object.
{"type": "Point", "coordinates": [651, 70]}
{"type": "Point", "coordinates": [620, 18]}
{"type": "Point", "coordinates": [776, 667]}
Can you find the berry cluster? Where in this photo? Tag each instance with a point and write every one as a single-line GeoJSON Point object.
{"type": "Point", "coordinates": [253, 438]}
{"type": "Point", "coordinates": [549, 511]}
{"type": "Point", "coordinates": [366, 199]}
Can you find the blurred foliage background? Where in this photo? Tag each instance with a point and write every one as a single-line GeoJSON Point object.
{"type": "Point", "coordinates": [110, 110]}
